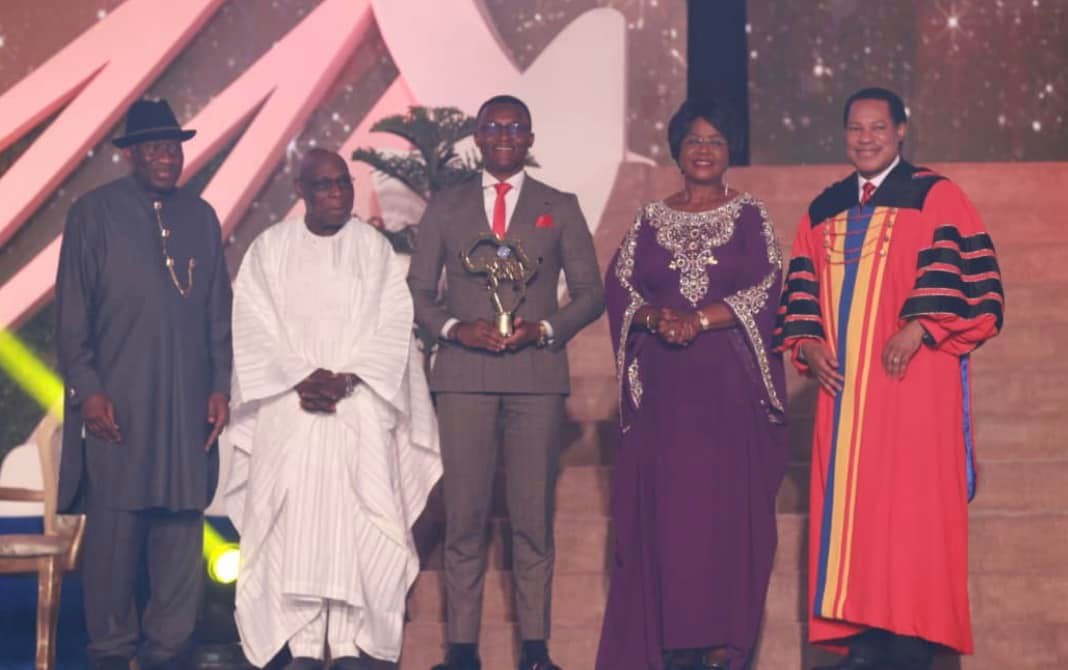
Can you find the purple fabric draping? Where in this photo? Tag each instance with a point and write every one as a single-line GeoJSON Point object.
{"type": "Point", "coordinates": [703, 441]}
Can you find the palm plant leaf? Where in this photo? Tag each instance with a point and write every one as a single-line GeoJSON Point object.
{"type": "Point", "coordinates": [408, 170]}
{"type": "Point", "coordinates": [433, 162]}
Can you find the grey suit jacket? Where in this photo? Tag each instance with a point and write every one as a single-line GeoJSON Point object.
{"type": "Point", "coordinates": [452, 220]}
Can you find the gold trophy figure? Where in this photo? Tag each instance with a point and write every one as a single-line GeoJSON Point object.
{"type": "Point", "coordinates": [508, 267]}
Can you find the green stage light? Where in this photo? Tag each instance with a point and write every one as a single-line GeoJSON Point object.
{"type": "Point", "coordinates": [223, 565]}
{"type": "Point", "coordinates": [45, 386]}
{"type": "Point", "coordinates": [222, 557]}
{"type": "Point", "coordinates": [33, 376]}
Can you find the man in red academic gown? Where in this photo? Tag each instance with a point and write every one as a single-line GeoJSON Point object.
{"type": "Point", "coordinates": [893, 282]}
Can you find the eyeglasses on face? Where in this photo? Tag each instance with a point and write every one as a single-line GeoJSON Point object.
{"type": "Point", "coordinates": [324, 185]}
{"type": "Point", "coordinates": [694, 141]}
{"type": "Point", "coordinates": [494, 129]}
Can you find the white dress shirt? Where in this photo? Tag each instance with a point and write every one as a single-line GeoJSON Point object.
{"type": "Point", "coordinates": [489, 195]}
{"type": "Point", "coordinates": [877, 180]}
{"type": "Point", "coordinates": [489, 200]}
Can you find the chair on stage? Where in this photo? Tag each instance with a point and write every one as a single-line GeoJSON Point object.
{"type": "Point", "coordinates": [50, 554]}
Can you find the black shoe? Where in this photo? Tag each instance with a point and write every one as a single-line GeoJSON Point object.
{"type": "Point", "coordinates": [912, 653]}
{"type": "Point", "coordinates": [472, 664]}
{"type": "Point", "coordinates": [854, 662]}
{"type": "Point", "coordinates": [349, 663]}
{"type": "Point", "coordinates": [536, 657]}
{"type": "Point", "coordinates": [692, 659]}
{"type": "Point", "coordinates": [304, 663]}
{"type": "Point", "coordinates": [110, 663]}
{"type": "Point", "coordinates": [183, 660]}
{"type": "Point", "coordinates": [460, 657]}
{"type": "Point", "coordinates": [541, 664]}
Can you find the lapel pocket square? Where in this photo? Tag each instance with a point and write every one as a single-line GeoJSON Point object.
{"type": "Point", "coordinates": [544, 221]}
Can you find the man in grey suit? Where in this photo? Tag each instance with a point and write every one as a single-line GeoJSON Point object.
{"type": "Point", "coordinates": [485, 383]}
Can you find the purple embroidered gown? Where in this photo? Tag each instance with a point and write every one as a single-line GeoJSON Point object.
{"type": "Point", "coordinates": [703, 442]}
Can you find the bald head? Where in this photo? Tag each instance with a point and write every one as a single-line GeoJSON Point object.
{"type": "Point", "coordinates": [314, 157]}
{"type": "Point", "coordinates": [325, 186]}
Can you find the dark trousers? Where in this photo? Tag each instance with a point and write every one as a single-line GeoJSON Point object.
{"type": "Point", "coordinates": [171, 543]}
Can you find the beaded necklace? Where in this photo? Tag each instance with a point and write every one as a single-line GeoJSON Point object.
{"type": "Point", "coordinates": [165, 233]}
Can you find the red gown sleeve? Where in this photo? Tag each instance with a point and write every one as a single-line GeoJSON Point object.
{"type": "Point", "coordinates": [800, 316]}
{"type": "Point", "coordinates": [957, 295]}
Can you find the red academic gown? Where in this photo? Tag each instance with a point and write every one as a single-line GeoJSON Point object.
{"type": "Point", "coordinates": [892, 460]}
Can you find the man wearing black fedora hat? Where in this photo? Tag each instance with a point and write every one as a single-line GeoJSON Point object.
{"type": "Point", "coordinates": [143, 302]}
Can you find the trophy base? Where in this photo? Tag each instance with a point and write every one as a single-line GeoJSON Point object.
{"type": "Point", "coordinates": [504, 325]}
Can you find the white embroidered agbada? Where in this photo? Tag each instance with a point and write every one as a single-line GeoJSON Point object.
{"type": "Point", "coordinates": [325, 503]}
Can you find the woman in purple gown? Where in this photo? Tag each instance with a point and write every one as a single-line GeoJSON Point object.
{"type": "Point", "coordinates": [692, 295]}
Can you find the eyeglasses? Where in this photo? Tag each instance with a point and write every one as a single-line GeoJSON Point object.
{"type": "Point", "coordinates": [693, 141]}
{"type": "Point", "coordinates": [493, 129]}
{"type": "Point", "coordinates": [321, 186]}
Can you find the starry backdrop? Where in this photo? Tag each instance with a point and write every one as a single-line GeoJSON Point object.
{"type": "Point", "coordinates": [985, 80]}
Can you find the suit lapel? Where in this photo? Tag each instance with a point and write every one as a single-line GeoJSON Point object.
{"type": "Point", "coordinates": [473, 210]}
{"type": "Point", "coordinates": [530, 205]}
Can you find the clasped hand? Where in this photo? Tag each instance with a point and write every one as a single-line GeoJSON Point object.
{"type": "Point", "coordinates": [482, 334]}
{"type": "Point", "coordinates": [677, 328]}
{"type": "Point", "coordinates": [321, 391]}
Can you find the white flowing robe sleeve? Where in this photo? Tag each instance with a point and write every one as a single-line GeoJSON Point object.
{"type": "Point", "coordinates": [265, 365]}
{"type": "Point", "coordinates": [380, 354]}
{"type": "Point", "coordinates": [387, 362]}
{"type": "Point", "coordinates": [331, 498]}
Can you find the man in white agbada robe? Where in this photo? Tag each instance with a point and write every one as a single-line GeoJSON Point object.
{"type": "Point", "coordinates": [335, 440]}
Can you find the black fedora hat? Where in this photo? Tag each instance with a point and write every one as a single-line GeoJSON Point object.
{"type": "Point", "coordinates": [151, 120]}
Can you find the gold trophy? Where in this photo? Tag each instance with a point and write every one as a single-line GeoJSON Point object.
{"type": "Point", "coordinates": [508, 267]}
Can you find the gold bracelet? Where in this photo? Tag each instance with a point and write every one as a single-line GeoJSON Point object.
{"type": "Point", "coordinates": [702, 318]}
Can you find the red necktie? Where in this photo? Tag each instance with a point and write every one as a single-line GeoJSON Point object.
{"type": "Point", "coordinates": [868, 188]}
{"type": "Point", "coordinates": [498, 208]}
